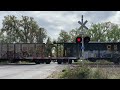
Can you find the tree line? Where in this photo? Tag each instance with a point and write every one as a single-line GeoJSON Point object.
{"type": "Point", "coordinates": [100, 32]}
{"type": "Point", "coordinates": [26, 30]}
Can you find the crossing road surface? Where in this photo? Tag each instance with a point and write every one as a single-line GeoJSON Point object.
{"type": "Point", "coordinates": [40, 71]}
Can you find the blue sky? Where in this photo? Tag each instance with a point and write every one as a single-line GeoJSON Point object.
{"type": "Point", "coordinates": [54, 21]}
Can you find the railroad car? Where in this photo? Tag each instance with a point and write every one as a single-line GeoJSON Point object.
{"type": "Point", "coordinates": [60, 52]}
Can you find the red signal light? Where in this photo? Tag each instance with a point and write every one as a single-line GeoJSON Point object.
{"type": "Point", "coordinates": [85, 39]}
{"type": "Point", "coordinates": [78, 40]}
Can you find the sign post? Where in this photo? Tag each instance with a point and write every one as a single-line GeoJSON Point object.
{"type": "Point", "coordinates": [81, 27]}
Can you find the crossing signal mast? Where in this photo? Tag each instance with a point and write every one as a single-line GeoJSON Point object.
{"type": "Point", "coordinates": [82, 39]}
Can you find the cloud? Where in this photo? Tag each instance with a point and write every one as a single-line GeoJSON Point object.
{"type": "Point", "coordinates": [115, 18]}
{"type": "Point", "coordinates": [54, 21]}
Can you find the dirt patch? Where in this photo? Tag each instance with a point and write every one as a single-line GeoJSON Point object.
{"type": "Point", "coordinates": [56, 74]}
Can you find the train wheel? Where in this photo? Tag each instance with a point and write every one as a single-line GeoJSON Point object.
{"type": "Point", "coordinates": [11, 60]}
{"type": "Point", "coordinates": [37, 62]}
{"type": "Point", "coordinates": [59, 61]}
{"type": "Point", "coordinates": [48, 61]}
{"type": "Point", "coordinates": [42, 61]}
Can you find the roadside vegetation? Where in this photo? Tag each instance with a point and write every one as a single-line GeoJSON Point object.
{"type": "Point", "coordinates": [98, 62]}
{"type": "Point", "coordinates": [86, 72]}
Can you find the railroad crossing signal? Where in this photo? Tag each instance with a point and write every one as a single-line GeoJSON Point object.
{"type": "Point", "coordinates": [86, 39]}
{"type": "Point", "coordinates": [83, 39]}
{"type": "Point", "coordinates": [78, 40]}
{"type": "Point", "coordinates": [83, 25]}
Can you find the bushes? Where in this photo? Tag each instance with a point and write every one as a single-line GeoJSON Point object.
{"type": "Point", "coordinates": [97, 74]}
{"type": "Point", "coordinates": [83, 73]}
{"type": "Point", "coordinates": [76, 73]}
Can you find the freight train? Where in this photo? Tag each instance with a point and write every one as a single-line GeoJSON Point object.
{"type": "Point", "coordinates": [60, 52]}
{"type": "Point", "coordinates": [102, 51]}
{"type": "Point", "coordinates": [34, 52]}
{"type": "Point", "coordinates": [93, 51]}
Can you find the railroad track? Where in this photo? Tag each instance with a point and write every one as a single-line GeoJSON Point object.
{"type": "Point", "coordinates": [98, 66]}
{"type": "Point", "coordinates": [104, 66]}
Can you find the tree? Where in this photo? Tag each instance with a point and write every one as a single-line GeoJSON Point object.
{"type": "Point", "coordinates": [28, 29]}
{"type": "Point", "coordinates": [97, 32]}
{"type": "Point", "coordinates": [11, 28]}
{"type": "Point", "coordinates": [104, 32]}
{"type": "Point", "coordinates": [2, 38]}
{"type": "Point", "coordinates": [41, 35]}
{"type": "Point", "coordinates": [73, 34]}
{"type": "Point", "coordinates": [49, 47]}
{"type": "Point", "coordinates": [25, 30]}
{"type": "Point", "coordinates": [64, 36]}
{"type": "Point", "coordinates": [113, 35]}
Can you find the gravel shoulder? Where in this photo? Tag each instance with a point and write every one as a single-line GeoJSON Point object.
{"type": "Point", "coordinates": [56, 74]}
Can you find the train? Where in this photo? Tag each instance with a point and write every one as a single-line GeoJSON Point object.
{"type": "Point", "coordinates": [59, 52]}
{"type": "Point", "coordinates": [109, 51]}
{"type": "Point", "coordinates": [33, 52]}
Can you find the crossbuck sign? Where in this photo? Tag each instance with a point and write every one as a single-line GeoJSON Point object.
{"type": "Point", "coordinates": [83, 25]}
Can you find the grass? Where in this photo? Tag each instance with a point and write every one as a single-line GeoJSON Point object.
{"type": "Point", "coordinates": [76, 73]}
{"type": "Point", "coordinates": [81, 71]}
{"type": "Point", "coordinates": [86, 62]}
{"type": "Point", "coordinates": [90, 73]}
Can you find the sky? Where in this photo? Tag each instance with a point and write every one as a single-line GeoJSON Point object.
{"type": "Point", "coordinates": [55, 21]}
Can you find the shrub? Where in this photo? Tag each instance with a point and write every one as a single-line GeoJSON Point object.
{"type": "Point", "coordinates": [76, 73]}
{"type": "Point", "coordinates": [98, 74]}
{"type": "Point", "coordinates": [84, 72]}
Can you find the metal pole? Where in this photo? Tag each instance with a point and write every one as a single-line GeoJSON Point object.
{"type": "Point", "coordinates": [82, 41]}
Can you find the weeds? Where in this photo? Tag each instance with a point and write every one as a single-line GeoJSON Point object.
{"type": "Point", "coordinates": [85, 72]}
{"type": "Point", "coordinates": [76, 73]}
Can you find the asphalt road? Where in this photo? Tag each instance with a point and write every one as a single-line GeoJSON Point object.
{"type": "Point", "coordinates": [31, 71]}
